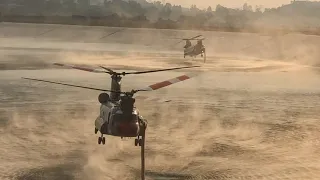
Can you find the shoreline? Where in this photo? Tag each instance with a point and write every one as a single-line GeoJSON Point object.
{"type": "Point", "coordinates": [167, 25]}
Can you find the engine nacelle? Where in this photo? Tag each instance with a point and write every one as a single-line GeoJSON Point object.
{"type": "Point", "coordinates": [103, 98]}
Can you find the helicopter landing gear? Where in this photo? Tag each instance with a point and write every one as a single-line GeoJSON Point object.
{"type": "Point", "coordinates": [102, 140]}
{"type": "Point", "coordinates": [141, 137]}
{"type": "Point", "coordinates": [142, 145]}
{"type": "Point", "coordinates": [95, 130]}
{"type": "Point", "coordinates": [138, 141]}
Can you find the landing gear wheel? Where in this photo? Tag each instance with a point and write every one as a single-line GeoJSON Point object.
{"type": "Point", "coordinates": [136, 142]}
{"type": "Point", "coordinates": [95, 130]}
{"type": "Point", "coordinates": [103, 140]}
{"type": "Point", "coordinates": [99, 140]}
{"type": "Point", "coordinates": [140, 142]}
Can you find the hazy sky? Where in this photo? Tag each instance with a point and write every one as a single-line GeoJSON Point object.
{"type": "Point", "coordinates": [228, 3]}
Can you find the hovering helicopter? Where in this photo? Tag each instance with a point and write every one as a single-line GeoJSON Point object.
{"type": "Point", "coordinates": [118, 114]}
{"type": "Point", "coordinates": [194, 50]}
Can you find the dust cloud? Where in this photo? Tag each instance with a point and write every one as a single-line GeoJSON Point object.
{"type": "Point", "coordinates": [250, 114]}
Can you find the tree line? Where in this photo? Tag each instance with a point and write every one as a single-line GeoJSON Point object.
{"type": "Point", "coordinates": [140, 13]}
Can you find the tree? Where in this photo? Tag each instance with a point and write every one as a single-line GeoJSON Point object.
{"type": "Point", "coordinates": [221, 11]}
{"type": "Point", "coordinates": [52, 6]}
{"type": "Point", "coordinates": [105, 3]}
{"type": "Point", "coordinates": [83, 4]}
{"type": "Point", "coordinates": [193, 7]}
{"type": "Point", "coordinates": [157, 4]}
{"type": "Point", "coordinates": [258, 9]}
{"type": "Point", "coordinates": [69, 4]}
{"type": "Point", "coordinates": [209, 12]}
{"type": "Point", "coordinates": [3, 1]}
{"type": "Point", "coordinates": [247, 7]}
{"type": "Point", "coordinates": [166, 11]}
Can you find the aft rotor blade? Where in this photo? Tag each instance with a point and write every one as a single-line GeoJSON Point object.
{"type": "Point", "coordinates": [84, 87]}
{"type": "Point", "coordinates": [176, 43]}
{"type": "Point", "coordinates": [168, 82]}
{"type": "Point", "coordinates": [152, 99]}
{"type": "Point", "coordinates": [81, 68]}
{"type": "Point", "coordinates": [158, 70]}
{"type": "Point", "coordinates": [195, 37]}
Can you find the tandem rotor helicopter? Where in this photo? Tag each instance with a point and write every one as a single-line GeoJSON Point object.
{"type": "Point", "coordinates": [194, 50]}
{"type": "Point", "coordinates": [118, 115]}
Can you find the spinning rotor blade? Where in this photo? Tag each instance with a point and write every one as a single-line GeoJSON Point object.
{"type": "Point", "coordinates": [109, 70]}
{"type": "Point", "coordinates": [196, 36]}
{"type": "Point", "coordinates": [192, 38]}
{"type": "Point", "coordinates": [186, 39]}
{"type": "Point", "coordinates": [143, 72]}
{"type": "Point", "coordinates": [80, 68]}
{"type": "Point", "coordinates": [158, 70]}
{"type": "Point", "coordinates": [152, 99]}
{"type": "Point", "coordinates": [168, 82]}
{"type": "Point", "coordinates": [199, 39]}
{"type": "Point", "coordinates": [111, 33]}
{"type": "Point", "coordinates": [84, 87]}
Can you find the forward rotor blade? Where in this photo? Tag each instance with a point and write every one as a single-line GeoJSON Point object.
{"type": "Point", "coordinates": [195, 37]}
{"type": "Point", "coordinates": [81, 68]}
{"type": "Point", "coordinates": [112, 33]}
{"type": "Point", "coordinates": [110, 70]}
{"type": "Point", "coordinates": [176, 43]}
{"type": "Point", "coordinates": [84, 87]}
{"type": "Point", "coordinates": [158, 70]}
{"type": "Point", "coordinates": [168, 82]}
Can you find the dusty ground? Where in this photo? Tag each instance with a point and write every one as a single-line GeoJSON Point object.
{"type": "Point", "coordinates": [252, 113]}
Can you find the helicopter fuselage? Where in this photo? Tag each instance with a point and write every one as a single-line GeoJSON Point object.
{"type": "Point", "coordinates": [194, 50]}
{"type": "Point", "coordinates": [113, 121]}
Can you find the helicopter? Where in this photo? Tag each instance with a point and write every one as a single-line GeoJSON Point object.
{"type": "Point", "coordinates": [118, 115]}
{"type": "Point", "coordinates": [194, 50]}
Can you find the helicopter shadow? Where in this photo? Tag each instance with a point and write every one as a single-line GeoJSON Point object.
{"type": "Point", "coordinates": [63, 172]}
{"type": "Point", "coordinates": [188, 62]}
{"type": "Point", "coordinates": [168, 176]}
